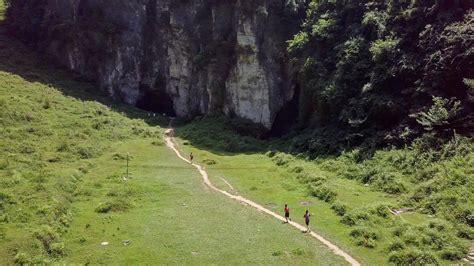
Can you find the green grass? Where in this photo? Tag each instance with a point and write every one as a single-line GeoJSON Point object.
{"type": "Point", "coordinates": [176, 219]}
{"type": "Point", "coordinates": [62, 192]}
{"type": "Point", "coordinates": [275, 178]}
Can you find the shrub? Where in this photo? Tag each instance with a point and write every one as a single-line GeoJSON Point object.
{"type": "Point", "coordinates": [339, 208]}
{"type": "Point", "coordinates": [355, 217]}
{"type": "Point", "coordinates": [439, 225]}
{"type": "Point", "coordinates": [464, 231]}
{"type": "Point", "coordinates": [6, 198]}
{"type": "Point", "coordinates": [412, 238]}
{"type": "Point", "coordinates": [46, 235]}
{"type": "Point", "coordinates": [270, 154]}
{"type": "Point", "coordinates": [57, 250]}
{"type": "Point", "coordinates": [305, 178]}
{"type": "Point", "coordinates": [365, 237]}
{"type": "Point", "coordinates": [281, 159]}
{"type": "Point", "coordinates": [22, 258]}
{"type": "Point", "coordinates": [382, 48]}
{"type": "Point", "coordinates": [322, 192]}
{"type": "Point", "coordinates": [413, 257]}
{"type": "Point", "coordinates": [159, 143]}
{"type": "Point", "coordinates": [88, 152]}
{"type": "Point", "coordinates": [395, 246]}
{"type": "Point", "coordinates": [277, 253]}
{"type": "Point", "coordinates": [209, 161]}
{"type": "Point", "coordinates": [380, 210]}
{"type": "Point", "coordinates": [388, 183]}
{"type": "Point", "coordinates": [113, 206]}
{"type": "Point", "coordinates": [453, 253]}
{"type": "Point", "coordinates": [298, 252]}
{"type": "Point", "coordinates": [119, 156]}
{"type": "Point", "coordinates": [297, 169]}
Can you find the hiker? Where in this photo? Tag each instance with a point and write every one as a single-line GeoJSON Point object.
{"type": "Point", "coordinates": [287, 213]}
{"type": "Point", "coordinates": [306, 220]}
{"type": "Point", "coordinates": [191, 157]}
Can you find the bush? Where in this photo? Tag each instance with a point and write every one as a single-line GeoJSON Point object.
{"type": "Point", "coordinates": [209, 161]}
{"type": "Point", "coordinates": [159, 143]}
{"type": "Point", "coordinates": [298, 252]}
{"type": "Point", "coordinates": [57, 250]}
{"type": "Point", "coordinates": [22, 258]}
{"type": "Point", "coordinates": [113, 206]}
{"type": "Point", "coordinates": [297, 169]}
{"type": "Point", "coordinates": [355, 217]}
{"type": "Point", "coordinates": [88, 152]}
{"type": "Point", "coordinates": [306, 178]}
{"type": "Point", "coordinates": [395, 246]}
{"type": "Point", "coordinates": [413, 257]}
{"type": "Point", "coordinates": [322, 192]}
{"type": "Point", "coordinates": [464, 231]}
{"type": "Point", "coordinates": [388, 183]}
{"type": "Point", "coordinates": [365, 237]}
{"type": "Point", "coordinates": [380, 210]}
{"type": "Point", "coordinates": [277, 253]}
{"type": "Point", "coordinates": [413, 238]}
{"type": "Point", "coordinates": [270, 154]}
{"type": "Point", "coordinates": [453, 253]}
{"type": "Point", "coordinates": [339, 208]}
{"type": "Point", "coordinates": [281, 159]}
{"type": "Point", "coordinates": [46, 235]}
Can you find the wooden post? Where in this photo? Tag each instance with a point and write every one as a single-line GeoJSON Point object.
{"type": "Point", "coordinates": [127, 163]}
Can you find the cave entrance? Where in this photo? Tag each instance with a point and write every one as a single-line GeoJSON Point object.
{"type": "Point", "coordinates": [287, 117]}
{"type": "Point", "coordinates": [156, 102]}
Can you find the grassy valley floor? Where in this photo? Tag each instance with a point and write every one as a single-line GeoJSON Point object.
{"type": "Point", "coordinates": [353, 215]}
{"type": "Point", "coordinates": [63, 157]}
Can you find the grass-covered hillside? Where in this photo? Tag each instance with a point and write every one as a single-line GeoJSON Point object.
{"type": "Point", "coordinates": [352, 195]}
{"type": "Point", "coordinates": [64, 191]}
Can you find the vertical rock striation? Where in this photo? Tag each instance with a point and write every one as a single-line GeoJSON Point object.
{"type": "Point", "coordinates": [186, 57]}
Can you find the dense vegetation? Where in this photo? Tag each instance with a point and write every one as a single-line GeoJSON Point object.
{"type": "Point", "coordinates": [378, 72]}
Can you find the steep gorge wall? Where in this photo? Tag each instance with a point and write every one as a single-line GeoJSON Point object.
{"type": "Point", "coordinates": [191, 56]}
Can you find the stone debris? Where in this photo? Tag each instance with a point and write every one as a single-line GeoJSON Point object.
{"type": "Point", "coordinates": [400, 211]}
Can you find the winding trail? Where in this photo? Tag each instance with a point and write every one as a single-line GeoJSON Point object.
{"type": "Point", "coordinates": [172, 145]}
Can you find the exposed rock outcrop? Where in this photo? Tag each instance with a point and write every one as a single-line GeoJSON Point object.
{"type": "Point", "coordinates": [186, 57]}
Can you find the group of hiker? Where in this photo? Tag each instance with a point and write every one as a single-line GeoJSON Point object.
{"type": "Point", "coordinates": [286, 210]}
{"type": "Point", "coordinates": [305, 216]}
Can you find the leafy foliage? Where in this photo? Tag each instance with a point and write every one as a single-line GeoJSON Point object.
{"type": "Point", "coordinates": [366, 66]}
{"type": "Point", "coordinates": [439, 114]}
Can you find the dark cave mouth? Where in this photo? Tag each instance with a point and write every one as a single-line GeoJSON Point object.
{"type": "Point", "coordinates": [286, 118]}
{"type": "Point", "coordinates": [156, 102]}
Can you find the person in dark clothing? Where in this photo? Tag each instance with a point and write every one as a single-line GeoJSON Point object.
{"type": "Point", "coordinates": [306, 220]}
{"type": "Point", "coordinates": [287, 213]}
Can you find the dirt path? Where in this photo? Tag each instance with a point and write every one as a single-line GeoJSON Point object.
{"type": "Point", "coordinates": [172, 145]}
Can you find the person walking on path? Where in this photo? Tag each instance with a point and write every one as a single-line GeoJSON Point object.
{"type": "Point", "coordinates": [306, 220]}
{"type": "Point", "coordinates": [287, 213]}
{"type": "Point", "coordinates": [191, 157]}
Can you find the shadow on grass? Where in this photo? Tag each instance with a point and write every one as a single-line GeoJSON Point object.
{"type": "Point", "coordinates": [19, 59]}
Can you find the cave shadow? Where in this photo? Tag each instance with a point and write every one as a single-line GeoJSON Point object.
{"type": "Point", "coordinates": [21, 59]}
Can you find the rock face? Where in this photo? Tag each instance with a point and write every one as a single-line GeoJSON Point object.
{"type": "Point", "coordinates": [183, 57]}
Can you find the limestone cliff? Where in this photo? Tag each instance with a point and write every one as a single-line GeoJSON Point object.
{"type": "Point", "coordinates": [187, 57]}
